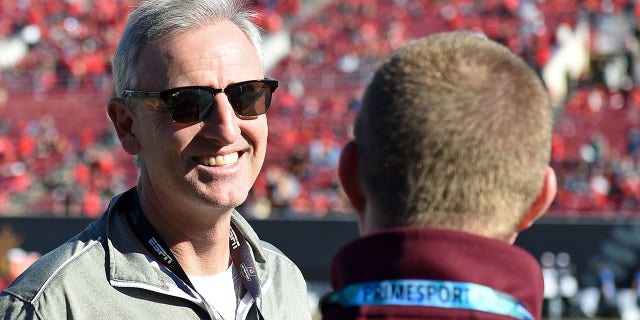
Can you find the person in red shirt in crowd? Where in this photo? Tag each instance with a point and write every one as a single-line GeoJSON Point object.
{"type": "Point", "coordinates": [449, 162]}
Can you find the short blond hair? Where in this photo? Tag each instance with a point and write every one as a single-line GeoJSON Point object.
{"type": "Point", "coordinates": [454, 132]}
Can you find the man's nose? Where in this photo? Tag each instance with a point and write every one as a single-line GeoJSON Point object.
{"type": "Point", "coordinates": [221, 123]}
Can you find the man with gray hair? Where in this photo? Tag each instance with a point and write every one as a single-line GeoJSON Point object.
{"type": "Point", "coordinates": [448, 164]}
{"type": "Point", "coordinates": [191, 98]}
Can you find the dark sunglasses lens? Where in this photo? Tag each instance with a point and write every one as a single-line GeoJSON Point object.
{"type": "Point", "coordinates": [190, 105]}
{"type": "Point", "coordinates": [249, 99]}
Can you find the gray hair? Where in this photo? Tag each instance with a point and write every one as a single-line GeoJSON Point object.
{"type": "Point", "coordinates": [155, 19]}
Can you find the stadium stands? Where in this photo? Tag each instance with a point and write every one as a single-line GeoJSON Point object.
{"type": "Point", "coordinates": [59, 156]}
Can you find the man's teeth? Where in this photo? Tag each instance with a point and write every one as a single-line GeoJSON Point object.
{"type": "Point", "coordinates": [219, 160]}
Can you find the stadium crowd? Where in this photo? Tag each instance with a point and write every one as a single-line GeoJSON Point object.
{"type": "Point", "coordinates": [66, 46]}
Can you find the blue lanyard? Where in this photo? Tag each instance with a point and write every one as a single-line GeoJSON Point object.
{"type": "Point", "coordinates": [431, 293]}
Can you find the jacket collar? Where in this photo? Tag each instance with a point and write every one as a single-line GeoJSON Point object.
{"type": "Point", "coordinates": [129, 265]}
{"type": "Point", "coordinates": [435, 254]}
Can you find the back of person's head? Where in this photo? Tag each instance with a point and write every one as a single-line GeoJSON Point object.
{"type": "Point", "coordinates": [156, 19]}
{"type": "Point", "coordinates": [454, 132]}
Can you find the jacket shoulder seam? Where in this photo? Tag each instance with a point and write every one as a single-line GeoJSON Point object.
{"type": "Point", "coordinates": [276, 252]}
{"type": "Point", "coordinates": [91, 244]}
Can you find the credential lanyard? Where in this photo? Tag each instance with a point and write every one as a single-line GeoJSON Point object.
{"type": "Point", "coordinates": [239, 250]}
{"type": "Point", "coordinates": [431, 293]}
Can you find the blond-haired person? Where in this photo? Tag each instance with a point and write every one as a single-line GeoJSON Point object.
{"type": "Point", "coordinates": [448, 164]}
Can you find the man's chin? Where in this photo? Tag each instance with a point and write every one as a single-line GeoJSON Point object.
{"type": "Point", "coordinates": [224, 203]}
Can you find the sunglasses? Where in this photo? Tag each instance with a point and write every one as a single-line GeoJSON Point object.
{"type": "Point", "coordinates": [192, 104]}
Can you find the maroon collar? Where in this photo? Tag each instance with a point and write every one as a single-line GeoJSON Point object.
{"type": "Point", "coordinates": [436, 254]}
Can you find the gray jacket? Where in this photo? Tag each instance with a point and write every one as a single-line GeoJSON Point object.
{"type": "Point", "coordinates": [102, 273]}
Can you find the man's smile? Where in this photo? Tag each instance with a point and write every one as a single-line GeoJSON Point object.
{"type": "Point", "coordinates": [218, 160]}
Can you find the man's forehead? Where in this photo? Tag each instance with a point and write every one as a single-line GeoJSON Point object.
{"type": "Point", "coordinates": [200, 56]}
{"type": "Point", "coordinates": [150, 66]}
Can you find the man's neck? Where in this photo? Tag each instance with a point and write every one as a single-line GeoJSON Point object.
{"type": "Point", "coordinates": [204, 256]}
{"type": "Point", "coordinates": [200, 245]}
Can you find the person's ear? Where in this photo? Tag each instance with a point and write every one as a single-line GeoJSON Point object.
{"type": "Point", "coordinates": [348, 177]}
{"type": "Point", "coordinates": [543, 201]}
{"type": "Point", "coordinates": [122, 120]}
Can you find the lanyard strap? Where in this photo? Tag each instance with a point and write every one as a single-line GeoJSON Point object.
{"type": "Point", "coordinates": [431, 293]}
{"type": "Point", "coordinates": [239, 250]}
{"type": "Point", "coordinates": [242, 259]}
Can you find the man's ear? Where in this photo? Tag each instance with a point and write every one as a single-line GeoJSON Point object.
{"type": "Point", "coordinates": [122, 120]}
{"type": "Point", "coordinates": [542, 202]}
{"type": "Point", "coordinates": [348, 176]}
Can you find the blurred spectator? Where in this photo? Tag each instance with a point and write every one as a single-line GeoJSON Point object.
{"type": "Point", "coordinates": [608, 291]}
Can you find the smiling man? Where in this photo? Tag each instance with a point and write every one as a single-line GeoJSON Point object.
{"type": "Point", "coordinates": [191, 98]}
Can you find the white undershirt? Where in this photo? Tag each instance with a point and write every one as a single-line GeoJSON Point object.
{"type": "Point", "coordinates": [219, 291]}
